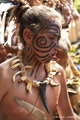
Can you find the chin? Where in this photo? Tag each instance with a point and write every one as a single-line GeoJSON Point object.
{"type": "Point", "coordinates": [48, 61]}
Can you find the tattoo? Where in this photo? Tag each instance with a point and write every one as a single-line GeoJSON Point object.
{"type": "Point", "coordinates": [29, 48]}
{"type": "Point", "coordinates": [30, 58]}
{"type": "Point", "coordinates": [55, 45]}
{"type": "Point", "coordinates": [35, 76]}
{"type": "Point", "coordinates": [40, 44]}
{"type": "Point", "coordinates": [29, 53]}
{"type": "Point", "coordinates": [38, 67]}
{"type": "Point", "coordinates": [52, 28]}
{"type": "Point", "coordinates": [41, 56]}
{"type": "Point", "coordinates": [45, 59]}
{"type": "Point", "coordinates": [55, 28]}
{"type": "Point", "coordinates": [43, 41]}
{"type": "Point", "coordinates": [33, 68]}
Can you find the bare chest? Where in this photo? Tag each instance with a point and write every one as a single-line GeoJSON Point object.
{"type": "Point", "coordinates": [29, 103]}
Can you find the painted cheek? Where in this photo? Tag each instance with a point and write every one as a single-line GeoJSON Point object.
{"type": "Point", "coordinates": [41, 45]}
{"type": "Point", "coordinates": [42, 48]}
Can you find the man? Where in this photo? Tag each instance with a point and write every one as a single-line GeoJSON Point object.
{"type": "Point", "coordinates": [76, 15]}
{"type": "Point", "coordinates": [25, 78]}
{"type": "Point", "coordinates": [2, 53]}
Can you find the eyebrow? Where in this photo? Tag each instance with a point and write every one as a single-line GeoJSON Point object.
{"type": "Point", "coordinates": [52, 32]}
{"type": "Point", "coordinates": [57, 34]}
{"type": "Point", "coordinates": [51, 27]}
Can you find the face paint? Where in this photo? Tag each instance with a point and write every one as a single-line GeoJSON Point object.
{"type": "Point", "coordinates": [45, 40]}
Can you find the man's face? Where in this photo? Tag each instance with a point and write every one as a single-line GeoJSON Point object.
{"type": "Point", "coordinates": [45, 43]}
{"type": "Point", "coordinates": [2, 51]}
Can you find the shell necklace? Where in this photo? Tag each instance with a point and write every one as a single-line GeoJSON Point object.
{"type": "Point", "coordinates": [17, 62]}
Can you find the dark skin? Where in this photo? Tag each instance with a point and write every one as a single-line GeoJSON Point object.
{"type": "Point", "coordinates": [62, 56]}
{"type": "Point", "coordinates": [2, 53]}
{"type": "Point", "coordinates": [11, 49]}
{"type": "Point", "coordinates": [35, 54]}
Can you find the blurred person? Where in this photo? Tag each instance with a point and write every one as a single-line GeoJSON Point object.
{"type": "Point", "coordinates": [2, 53]}
{"type": "Point", "coordinates": [9, 55]}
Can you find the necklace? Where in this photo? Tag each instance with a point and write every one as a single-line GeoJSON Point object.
{"type": "Point", "coordinates": [17, 62]}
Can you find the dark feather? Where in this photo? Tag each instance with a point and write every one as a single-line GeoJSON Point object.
{"type": "Point", "coordinates": [5, 1]}
{"type": "Point", "coordinates": [9, 1]}
{"type": "Point", "coordinates": [43, 96]}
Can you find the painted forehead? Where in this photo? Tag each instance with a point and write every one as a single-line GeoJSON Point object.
{"type": "Point", "coordinates": [52, 27]}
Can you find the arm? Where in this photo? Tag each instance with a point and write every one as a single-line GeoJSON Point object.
{"type": "Point", "coordinates": [64, 107]}
{"type": "Point", "coordinates": [2, 92]}
{"type": "Point", "coordinates": [4, 80]}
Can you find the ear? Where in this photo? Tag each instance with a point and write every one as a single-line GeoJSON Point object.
{"type": "Point", "coordinates": [27, 35]}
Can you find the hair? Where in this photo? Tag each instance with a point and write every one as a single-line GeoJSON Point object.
{"type": "Point", "coordinates": [34, 18]}
{"type": "Point", "coordinates": [64, 42]}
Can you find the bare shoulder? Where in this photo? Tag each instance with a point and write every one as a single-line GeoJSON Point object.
{"type": "Point", "coordinates": [5, 69]}
{"type": "Point", "coordinates": [5, 77]}
{"type": "Point", "coordinates": [6, 65]}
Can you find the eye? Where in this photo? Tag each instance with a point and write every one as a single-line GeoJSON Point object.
{"type": "Point", "coordinates": [51, 37]}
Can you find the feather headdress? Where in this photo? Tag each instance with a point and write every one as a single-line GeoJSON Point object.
{"type": "Point", "coordinates": [8, 16]}
{"type": "Point", "coordinates": [6, 1]}
{"type": "Point", "coordinates": [14, 2]}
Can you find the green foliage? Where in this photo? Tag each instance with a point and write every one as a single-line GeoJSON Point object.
{"type": "Point", "coordinates": [77, 5]}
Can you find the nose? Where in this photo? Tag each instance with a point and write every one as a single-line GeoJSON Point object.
{"type": "Point", "coordinates": [56, 44]}
{"type": "Point", "coordinates": [56, 47]}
